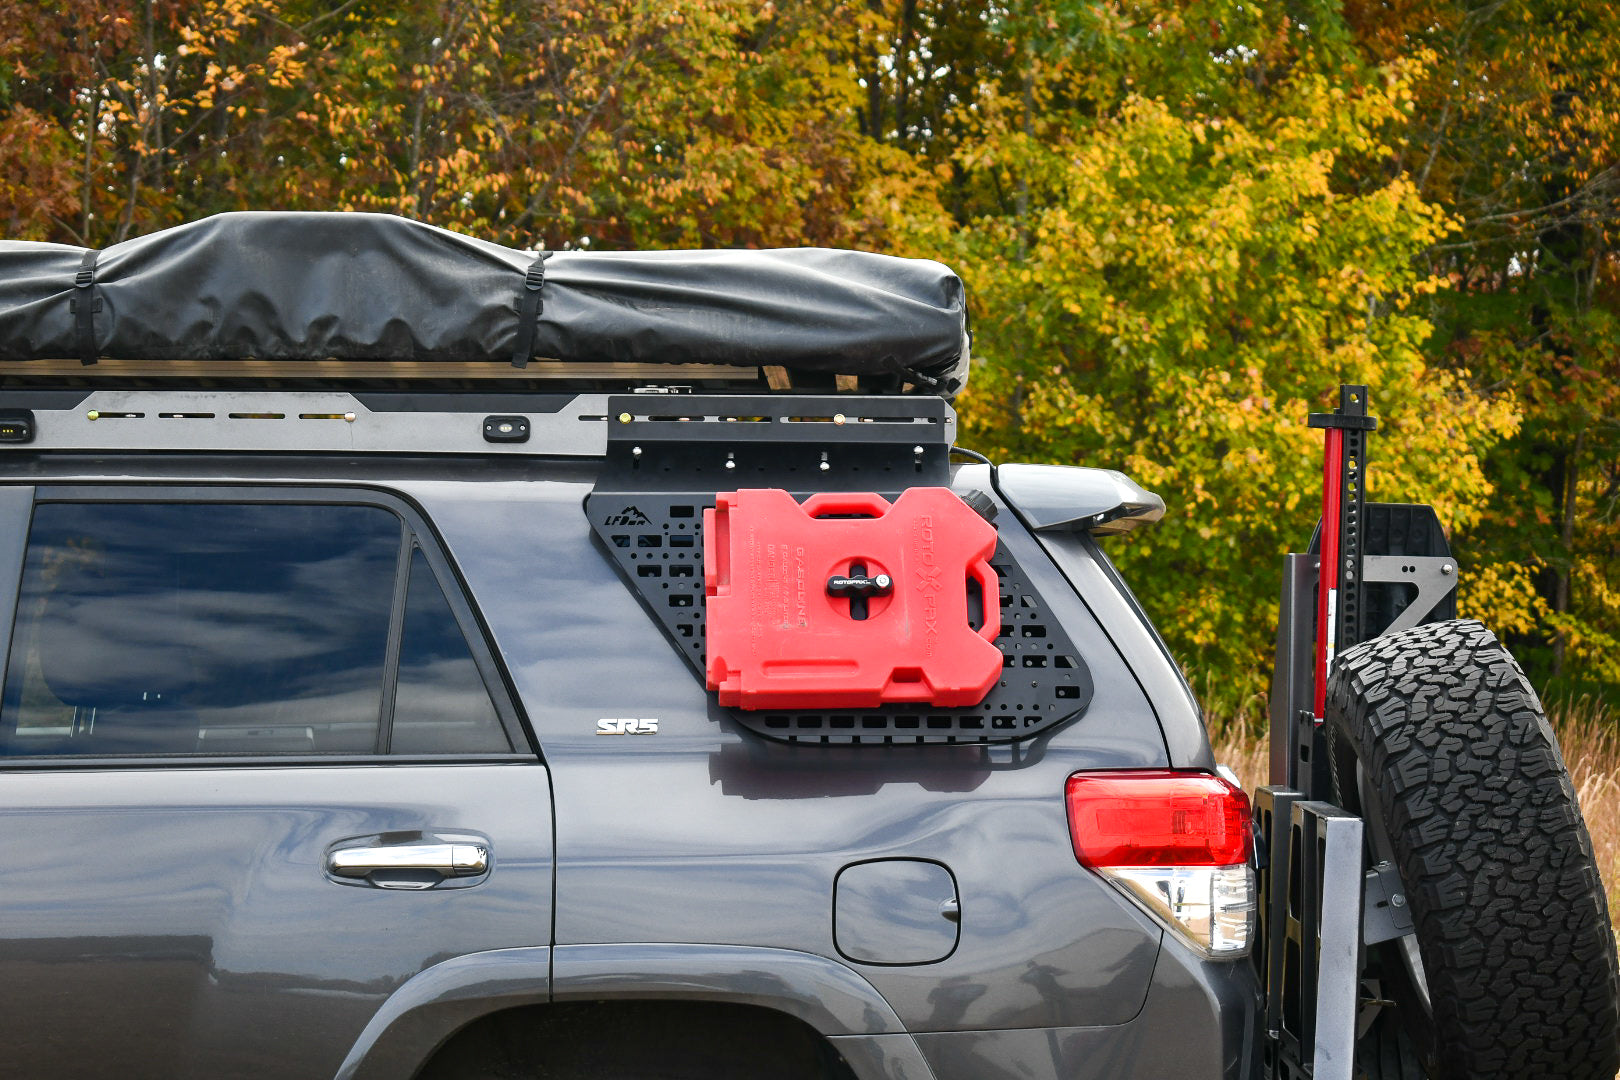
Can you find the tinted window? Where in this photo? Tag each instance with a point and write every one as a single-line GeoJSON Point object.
{"type": "Point", "coordinates": [180, 628]}
{"type": "Point", "coordinates": [440, 704]}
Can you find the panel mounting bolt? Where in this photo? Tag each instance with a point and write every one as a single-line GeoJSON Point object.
{"type": "Point", "coordinates": [825, 464]}
{"type": "Point", "coordinates": [92, 415]}
{"type": "Point", "coordinates": [635, 451]}
{"type": "Point", "coordinates": [349, 417]}
{"type": "Point", "coordinates": [731, 461]}
{"type": "Point", "coordinates": [838, 418]}
{"type": "Point", "coordinates": [1446, 568]}
{"type": "Point", "coordinates": [624, 418]}
{"type": "Point", "coordinates": [917, 450]}
{"type": "Point", "coordinates": [1397, 900]}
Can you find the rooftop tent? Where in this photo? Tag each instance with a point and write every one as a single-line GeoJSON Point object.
{"type": "Point", "coordinates": [371, 287]}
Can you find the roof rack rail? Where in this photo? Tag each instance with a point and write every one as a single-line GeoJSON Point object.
{"type": "Point", "coordinates": [538, 423]}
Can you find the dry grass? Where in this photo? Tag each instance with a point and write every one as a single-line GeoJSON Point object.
{"type": "Point", "coordinates": [1589, 733]}
{"type": "Point", "coordinates": [1590, 736]}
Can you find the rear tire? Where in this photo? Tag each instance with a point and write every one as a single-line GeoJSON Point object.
{"type": "Point", "coordinates": [1438, 741]}
{"type": "Point", "coordinates": [1386, 1052]}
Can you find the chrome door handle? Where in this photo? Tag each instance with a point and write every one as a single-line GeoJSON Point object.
{"type": "Point", "coordinates": [446, 860]}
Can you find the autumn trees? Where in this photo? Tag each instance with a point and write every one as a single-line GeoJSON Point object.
{"type": "Point", "coordinates": [1184, 222]}
{"type": "Point", "coordinates": [1181, 223]}
{"type": "Point", "coordinates": [1516, 131]}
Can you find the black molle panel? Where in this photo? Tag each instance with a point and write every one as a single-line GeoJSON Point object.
{"type": "Point", "coordinates": [656, 540]}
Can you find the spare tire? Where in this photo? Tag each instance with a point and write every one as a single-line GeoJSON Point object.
{"type": "Point", "coordinates": [1437, 740]}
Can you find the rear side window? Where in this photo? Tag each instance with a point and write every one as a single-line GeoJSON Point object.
{"type": "Point", "coordinates": [213, 628]}
{"type": "Point", "coordinates": [440, 705]}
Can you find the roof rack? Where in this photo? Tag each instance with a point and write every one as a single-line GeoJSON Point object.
{"type": "Point", "coordinates": [535, 423]}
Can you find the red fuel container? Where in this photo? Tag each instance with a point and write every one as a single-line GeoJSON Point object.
{"type": "Point", "coordinates": [848, 601]}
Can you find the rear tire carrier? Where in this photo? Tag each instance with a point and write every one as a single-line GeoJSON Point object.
{"type": "Point", "coordinates": [1437, 739]}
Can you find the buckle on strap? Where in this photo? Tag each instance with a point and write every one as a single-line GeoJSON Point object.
{"type": "Point", "coordinates": [529, 306]}
{"type": "Point", "coordinates": [84, 311]}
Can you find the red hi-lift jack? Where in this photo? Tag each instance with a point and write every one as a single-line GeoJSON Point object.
{"type": "Point", "coordinates": [1338, 607]}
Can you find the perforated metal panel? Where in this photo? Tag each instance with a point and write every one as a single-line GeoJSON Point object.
{"type": "Point", "coordinates": [656, 540]}
{"type": "Point", "coordinates": [662, 469]}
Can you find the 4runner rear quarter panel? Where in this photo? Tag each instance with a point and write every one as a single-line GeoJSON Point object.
{"type": "Point", "coordinates": [707, 833]}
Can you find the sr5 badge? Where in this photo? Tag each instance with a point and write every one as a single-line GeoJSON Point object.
{"type": "Point", "coordinates": [626, 726]}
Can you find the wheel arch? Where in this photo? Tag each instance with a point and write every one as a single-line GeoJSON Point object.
{"type": "Point", "coordinates": [830, 998]}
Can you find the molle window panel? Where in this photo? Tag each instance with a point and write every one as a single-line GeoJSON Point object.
{"type": "Point", "coordinates": [656, 540]}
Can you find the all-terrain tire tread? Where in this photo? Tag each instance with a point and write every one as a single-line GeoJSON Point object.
{"type": "Point", "coordinates": [1384, 1053]}
{"type": "Point", "coordinates": [1511, 918]}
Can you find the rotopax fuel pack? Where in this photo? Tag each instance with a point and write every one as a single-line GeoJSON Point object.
{"type": "Point", "coordinates": [848, 600]}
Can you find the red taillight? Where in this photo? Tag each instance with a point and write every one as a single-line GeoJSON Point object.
{"type": "Point", "coordinates": [1157, 818]}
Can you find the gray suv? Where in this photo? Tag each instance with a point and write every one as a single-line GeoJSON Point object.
{"type": "Point", "coordinates": [342, 741]}
{"type": "Point", "coordinates": [690, 707]}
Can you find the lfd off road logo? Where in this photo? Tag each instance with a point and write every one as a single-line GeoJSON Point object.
{"type": "Point", "coordinates": [625, 725]}
{"type": "Point", "coordinates": [628, 516]}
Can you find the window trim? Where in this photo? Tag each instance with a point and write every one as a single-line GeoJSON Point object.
{"type": "Point", "coordinates": [16, 522]}
{"type": "Point", "coordinates": [415, 534]}
{"type": "Point", "coordinates": [396, 639]}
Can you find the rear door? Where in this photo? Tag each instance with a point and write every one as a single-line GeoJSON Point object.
{"type": "Point", "coordinates": [259, 769]}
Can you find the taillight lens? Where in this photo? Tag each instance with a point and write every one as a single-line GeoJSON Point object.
{"type": "Point", "coordinates": [1157, 818]}
{"type": "Point", "coordinates": [1176, 843]}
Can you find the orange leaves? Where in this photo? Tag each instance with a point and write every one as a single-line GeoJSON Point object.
{"type": "Point", "coordinates": [37, 188]}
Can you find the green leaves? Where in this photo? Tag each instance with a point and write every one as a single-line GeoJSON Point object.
{"type": "Point", "coordinates": [1181, 286]}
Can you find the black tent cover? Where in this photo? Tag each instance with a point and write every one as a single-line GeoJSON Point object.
{"type": "Point", "coordinates": [312, 286]}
